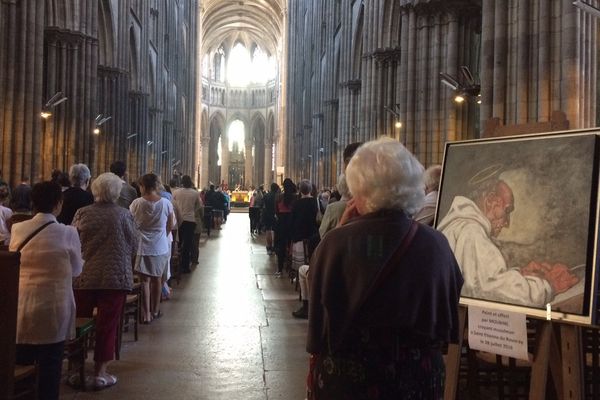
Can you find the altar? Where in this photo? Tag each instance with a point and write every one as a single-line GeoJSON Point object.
{"type": "Point", "coordinates": [240, 198]}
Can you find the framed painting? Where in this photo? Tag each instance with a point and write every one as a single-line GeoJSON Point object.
{"type": "Point", "coordinates": [521, 215]}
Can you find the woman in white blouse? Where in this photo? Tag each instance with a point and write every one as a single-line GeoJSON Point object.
{"type": "Point", "coordinates": [50, 258]}
{"type": "Point", "coordinates": [153, 215]}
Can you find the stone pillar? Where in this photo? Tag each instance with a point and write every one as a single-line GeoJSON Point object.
{"type": "Point", "coordinates": [248, 163]}
{"type": "Point", "coordinates": [203, 178]}
{"type": "Point", "coordinates": [224, 159]}
{"type": "Point", "coordinates": [268, 178]}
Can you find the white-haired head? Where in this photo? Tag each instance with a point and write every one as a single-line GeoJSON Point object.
{"type": "Point", "coordinates": [432, 177]}
{"type": "Point", "coordinates": [79, 175]}
{"type": "Point", "coordinates": [383, 174]}
{"type": "Point", "coordinates": [106, 188]}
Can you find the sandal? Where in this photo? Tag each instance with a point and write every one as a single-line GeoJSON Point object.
{"type": "Point", "coordinates": [103, 382]}
{"type": "Point", "coordinates": [157, 315]}
{"type": "Point", "coordinates": [74, 381]}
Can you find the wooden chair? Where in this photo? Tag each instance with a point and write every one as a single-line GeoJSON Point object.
{"type": "Point", "coordinates": [76, 350]}
{"type": "Point", "coordinates": [131, 315]}
{"type": "Point", "coordinates": [15, 381]}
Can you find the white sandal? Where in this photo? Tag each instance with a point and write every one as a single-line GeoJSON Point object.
{"type": "Point", "coordinates": [103, 382]}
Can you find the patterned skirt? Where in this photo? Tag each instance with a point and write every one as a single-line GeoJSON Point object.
{"type": "Point", "coordinates": [408, 374]}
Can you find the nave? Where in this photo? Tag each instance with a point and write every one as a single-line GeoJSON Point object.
{"type": "Point", "coordinates": [227, 332]}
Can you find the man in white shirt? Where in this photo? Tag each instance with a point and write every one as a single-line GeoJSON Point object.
{"type": "Point", "coordinates": [187, 202]}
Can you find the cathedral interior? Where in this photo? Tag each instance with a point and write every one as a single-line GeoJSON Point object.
{"type": "Point", "coordinates": [242, 93]}
{"type": "Point", "coordinates": [161, 84]}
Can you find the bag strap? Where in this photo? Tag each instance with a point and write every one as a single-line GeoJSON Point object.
{"type": "Point", "coordinates": [382, 275]}
{"type": "Point", "coordinates": [392, 261]}
{"type": "Point", "coordinates": [38, 230]}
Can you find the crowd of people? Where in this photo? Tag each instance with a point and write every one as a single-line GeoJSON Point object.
{"type": "Point", "coordinates": [99, 237]}
{"type": "Point", "coordinates": [378, 285]}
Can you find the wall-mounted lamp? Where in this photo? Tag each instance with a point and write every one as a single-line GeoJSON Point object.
{"type": "Point", "coordinates": [100, 120]}
{"type": "Point", "coordinates": [131, 136]}
{"type": "Point", "coordinates": [149, 143]}
{"type": "Point", "coordinates": [585, 6]}
{"type": "Point", "coordinates": [396, 113]}
{"type": "Point", "coordinates": [321, 150]}
{"type": "Point", "coordinates": [55, 100]}
{"type": "Point", "coordinates": [467, 89]}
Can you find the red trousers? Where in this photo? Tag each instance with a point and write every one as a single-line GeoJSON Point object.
{"type": "Point", "coordinates": [110, 307]}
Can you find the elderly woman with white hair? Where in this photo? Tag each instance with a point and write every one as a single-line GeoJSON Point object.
{"type": "Point", "coordinates": [431, 182]}
{"type": "Point", "coordinates": [76, 196]}
{"type": "Point", "coordinates": [384, 289]}
{"type": "Point", "coordinates": [109, 241]}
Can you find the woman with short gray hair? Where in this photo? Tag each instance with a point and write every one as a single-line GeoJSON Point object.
{"type": "Point", "coordinates": [109, 240]}
{"type": "Point", "coordinates": [77, 195]}
{"type": "Point", "coordinates": [383, 174]}
{"type": "Point", "coordinates": [79, 175]}
{"type": "Point", "coordinates": [384, 289]}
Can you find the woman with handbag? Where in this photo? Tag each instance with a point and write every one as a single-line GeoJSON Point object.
{"type": "Point", "coordinates": [384, 290]}
{"type": "Point", "coordinates": [50, 259]}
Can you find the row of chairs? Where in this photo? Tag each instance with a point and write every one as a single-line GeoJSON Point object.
{"type": "Point", "coordinates": [20, 382]}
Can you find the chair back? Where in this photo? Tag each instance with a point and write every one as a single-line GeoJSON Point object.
{"type": "Point", "coordinates": [9, 288]}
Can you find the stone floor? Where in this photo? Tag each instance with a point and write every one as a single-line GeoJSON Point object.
{"type": "Point", "coordinates": [227, 333]}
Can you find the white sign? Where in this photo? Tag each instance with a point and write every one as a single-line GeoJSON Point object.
{"type": "Point", "coordinates": [498, 332]}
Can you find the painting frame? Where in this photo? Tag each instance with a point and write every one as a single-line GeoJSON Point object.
{"type": "Point", "coordinates": [585, 293]}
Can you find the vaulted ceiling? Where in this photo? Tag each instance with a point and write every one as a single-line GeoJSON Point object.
{"type": "Point", "coordinates": [227, 21]}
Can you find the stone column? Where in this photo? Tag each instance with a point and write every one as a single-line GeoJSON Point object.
{"type": "Point", "coordinates": [268, 178]}
{"type": "Point", "coordinates": [203, 160]}
{"type": "Point", "coordinates": [248, 163]}
{"type": "Point", "coordinates": [224, 159]}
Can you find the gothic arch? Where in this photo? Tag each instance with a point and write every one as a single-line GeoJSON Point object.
{"type": "Point", "coordinates": [106, 39]}
{"type": "Point", "coordinates": [270, 136]}
{"type": "Point", "coordinates": [204, 124]}
{"type": "Point", "coordinates": [258, 133]}
{"type": "Point", "coordinates": [358, 44]}
{"type": "Point", "coordinates": [238, 115]}
{"type": "Point", "coordinates": [216, 131]}
{"type": "Point", "coordinates": [133, 59]}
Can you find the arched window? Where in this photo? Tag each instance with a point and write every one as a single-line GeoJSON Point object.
{"type": "Point", "coordinates": [246, 67]}
{"type": "Point", "coordinates": [236, 134]}
{"type": "Point", "coordinates": [237, 66]}
{"type": "Point", "coordinates": [219, 65]}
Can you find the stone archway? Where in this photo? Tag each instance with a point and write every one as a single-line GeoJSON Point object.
{"type": "Point", "coordinates": [258, 133]}
{"type": "Point", "coordinates": [216, 132]}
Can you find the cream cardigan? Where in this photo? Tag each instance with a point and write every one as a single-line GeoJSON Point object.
{"type": "Point", "coordinates": [46, 311]}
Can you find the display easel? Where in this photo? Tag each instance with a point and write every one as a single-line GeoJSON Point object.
{"type": "Point", "coordinates": [564, 363]}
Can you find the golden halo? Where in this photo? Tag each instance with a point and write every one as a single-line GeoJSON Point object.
{"type": "Point", "coordinates": [485, 174]}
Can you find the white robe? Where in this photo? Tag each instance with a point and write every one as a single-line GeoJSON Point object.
{"type": "Point", "coordinates": [483, 267]}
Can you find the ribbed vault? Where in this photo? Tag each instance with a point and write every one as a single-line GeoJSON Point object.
{"type": "Point", "coordinates": [258, 21]}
